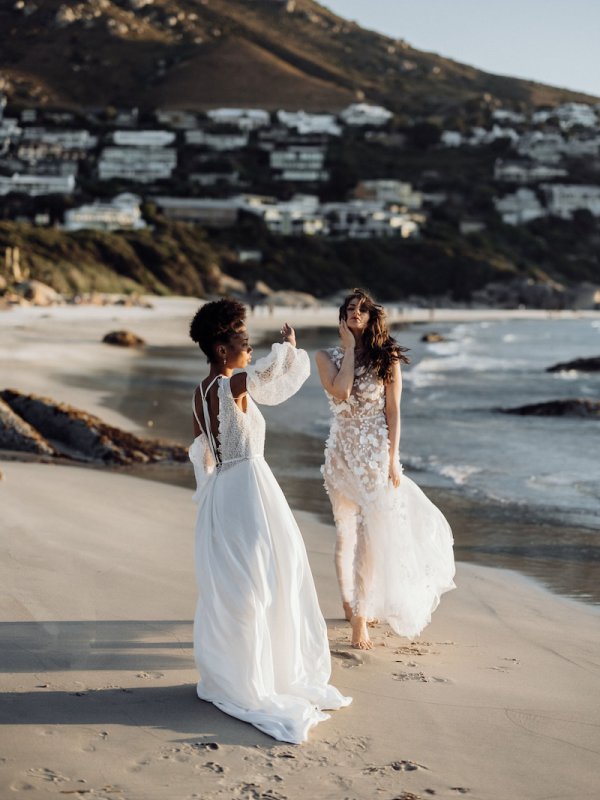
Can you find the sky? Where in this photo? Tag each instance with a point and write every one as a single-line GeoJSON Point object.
{"type": "Point", "coordinates": [551, 41]}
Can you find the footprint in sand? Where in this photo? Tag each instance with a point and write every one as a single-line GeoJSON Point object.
{"type": "Point", "coordinates": [350, 658]}
{"type": "Point", "coordinates": [395, 766]}
{"type": "Point", "coordinates": [415, 650]}
{"type": "Point", "coordinates": [150, 675]}
{"type": "Point", "coordinates": [47, 774]}
{"type": "Point", "coordinates": [214, 767]}
{"type": "Point", "coordinates": [410, 676]}
{"type": "Point", "coordinates": [460, 789]}
{"type": "Point", "coordinates": [203, 746]}
{"type": "Point", "coordinates": [22, 786]}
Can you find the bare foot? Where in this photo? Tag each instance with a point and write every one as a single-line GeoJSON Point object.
{"type": "Point", "coordinates": [360, 634]}
{"type": "Point", "coordinates": [347, 610]}
{"type": "Point", "coordinates": [372, 622]}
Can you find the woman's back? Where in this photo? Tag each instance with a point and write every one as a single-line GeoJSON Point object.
{"type": "Point", "coordinates": [238, 434]}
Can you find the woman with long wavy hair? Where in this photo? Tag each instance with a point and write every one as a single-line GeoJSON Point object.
{"type": "Point", "coordinates": [394, 555]}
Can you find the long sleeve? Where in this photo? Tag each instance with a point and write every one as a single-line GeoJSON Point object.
{"type": "Point", "coordinates": [203, 463]}
{"type": "Point", "coordinates": [279, 375]}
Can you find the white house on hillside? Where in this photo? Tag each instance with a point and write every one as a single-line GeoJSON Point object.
{"type": "Point", "coordinates": [359, 219]}
{"type": "Point", "coordinates": [139, 164]}
{"type": "Point", "coordinates": [564, 199]}
{"type": "Point", "coordinates": [121, 213]}
{"type": "Point", "coordinates": [390, 191]}
{"type": "Point", "coordinates": [78, 140]}
{"type": "Point", "coordinates": [525, 171]}
{"type": "Point", "coordinates": [246, 119]}
{"type": "Point", "coordinates": [218, 140]}
{"type": "Point", "coordinates": [546, 147]}
{"type": "Point", "coordinates": [143, 138]}
{"type": "Point", "coordinates": [299, 162]}
{"type": "Point", "coordinates": [520, 207]}
{"type": "Point", "coordinates": [452, 138]}
{"type": "Point", "coordinates": [305, 123]}
{"type": "Point", "coordinates": [37, 184]}
{"type": "Point", "coordinates": [365, 114]}
{"type": "Point", "coordinates": [571, 114]}
{"type": "Point", "coordinates": [505, 115]}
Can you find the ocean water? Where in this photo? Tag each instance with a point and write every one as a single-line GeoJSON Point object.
{"type": "Point", "coordinates": [520, 492]}
{"type": "Point", "coordinates": [453, 431]}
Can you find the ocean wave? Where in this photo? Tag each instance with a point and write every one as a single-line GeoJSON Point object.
{"type": "Point", "coordinates": [567, 375]}
{"type": "Point", "coordinates": [468, 363]}
{"type": "Point", "coordinates": [445, 349]}
{"type": "Point", "coordinates": [458, 473]}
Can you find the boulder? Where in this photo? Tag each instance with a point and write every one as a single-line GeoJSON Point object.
{"type": "Point", "coordinates": [123, 339]}
{"type": "Point", "coordinates": [84, 437]}
{"type": "Point", "coordinates": [579, 364]}
{"type": "Point", "coordinates": [573, 407]}
{"type": "Point", "coordinates": [38, 293]}
{"type": "Point", "coordinates": [433, 338]}
{"type": "Point", "coordinates": [16, 434]}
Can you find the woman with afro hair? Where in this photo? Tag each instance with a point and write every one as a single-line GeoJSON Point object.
{"type": "Point", "coordinates": [260, 640]}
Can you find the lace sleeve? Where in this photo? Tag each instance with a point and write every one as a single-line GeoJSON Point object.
{"type": "Point", "coordinates": [279, 375]}
{"type": "Point", "coordinates": [203, 463]}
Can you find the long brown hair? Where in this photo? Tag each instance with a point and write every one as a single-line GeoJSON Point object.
{"type": "Point", "coordinates": [379, 349]}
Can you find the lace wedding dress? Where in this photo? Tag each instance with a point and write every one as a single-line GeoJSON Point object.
{"type": "Point", "coordinates": [394, 555]}
{"type": "Point", "coordinates": [260, 640]}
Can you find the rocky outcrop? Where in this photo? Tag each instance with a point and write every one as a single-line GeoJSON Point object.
{"type": "Point", "coordinates": [38, 293]}
{"type": "Point", "coordinates": [83, 437]}
{"type": "Point", "coordinates": [579, 364]}
{"type": "Point", "coordinates": [573, 407]}
{"type": "Point", "coordinates": [123, 339]}
{"type": "Point", "coordinates": [432, 338]}
{"type": "Point", "coordinates": [16, 434]}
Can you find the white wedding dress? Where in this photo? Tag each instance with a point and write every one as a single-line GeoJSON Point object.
{"type": "Point", "coordinates": [260, 640]}
{"type": "Point", "coordinates": [394, 556]}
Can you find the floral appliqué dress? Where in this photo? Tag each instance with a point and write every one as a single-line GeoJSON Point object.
{"type": "Point", "coordinates": [394, 555]}
{"type": "Point", "coordinates": [260, 640]}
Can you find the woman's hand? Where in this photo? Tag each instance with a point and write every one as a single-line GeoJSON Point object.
{"type": "Point", "coordinates": [394, 473]}
{"type": "Point", "coordinates": [289, 334]}
{"type": "Point", "coordinates": [346, 335]}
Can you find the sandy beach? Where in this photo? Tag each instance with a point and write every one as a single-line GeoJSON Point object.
{"type": "Point", "coordinates": [497, 699]}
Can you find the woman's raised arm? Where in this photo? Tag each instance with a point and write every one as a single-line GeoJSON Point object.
{"type": "Point", "coordinates": [338, 383]}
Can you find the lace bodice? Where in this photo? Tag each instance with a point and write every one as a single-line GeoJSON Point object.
{"type": "Point", "coordinates": [273, 379]}
{"type": "Point", "coordinates": [367, 398]}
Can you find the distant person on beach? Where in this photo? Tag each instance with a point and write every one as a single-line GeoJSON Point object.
{"type": "Point", "coordinates": [393, 553]}
{"type": "Point", "coordinates": [260, 640]}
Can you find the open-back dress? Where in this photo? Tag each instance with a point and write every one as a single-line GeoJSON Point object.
{"type": "Point", "coordinates": [260, 640]}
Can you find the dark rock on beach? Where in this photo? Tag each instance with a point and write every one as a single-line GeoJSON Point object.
{"type": "Point", "coordinates": [579, 364]}
{"type": "Point", "coordinates": [432, 338]}
{"type": "Point", "coordinates": [123, 339]}
{"type": "Point", "coordinates": [74, 433]}
{"type": "Point", "coordinates": [16, 434]}
{"type": "Point", "coordinates": [574, 407]}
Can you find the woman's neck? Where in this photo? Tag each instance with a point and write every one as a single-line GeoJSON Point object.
{"type": "Point", "coordinates": [220, 369]}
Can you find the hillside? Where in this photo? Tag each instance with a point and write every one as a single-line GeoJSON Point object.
{"type": "Point", "coordinates": [196, 54]}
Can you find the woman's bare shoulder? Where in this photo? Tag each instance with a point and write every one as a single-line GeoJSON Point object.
{"type": "Point", "coordinates": [238, 384]}
{"type": "Point", "coordinates": [328, 353]}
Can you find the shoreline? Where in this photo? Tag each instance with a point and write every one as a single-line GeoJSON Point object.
{"type": "Point", "coordinates": [62, 356]}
